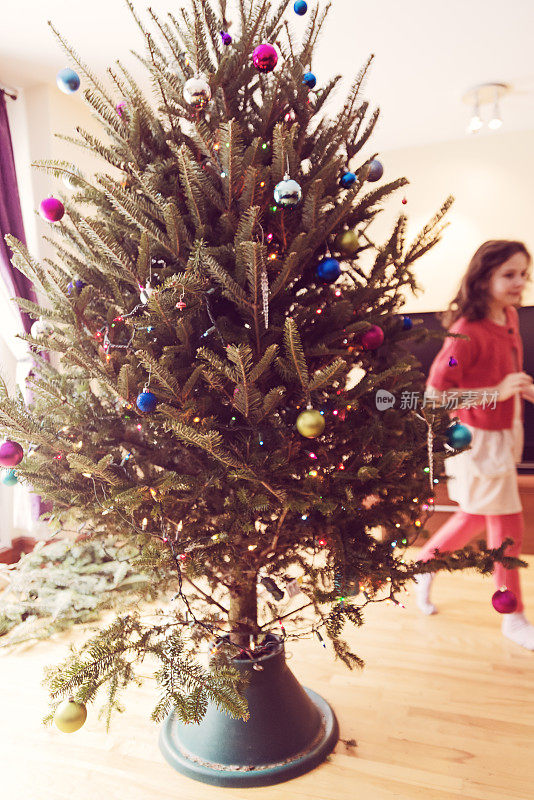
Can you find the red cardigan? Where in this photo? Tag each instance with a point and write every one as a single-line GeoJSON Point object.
{"type": "Point", "coordinates": [491, 352]}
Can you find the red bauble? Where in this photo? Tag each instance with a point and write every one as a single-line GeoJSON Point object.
{"type": "Point", "coordinates": [404, 201]}
{"type": "Point", "coordinates": [265, 57]}
{"type": "Point", "coordinates": [11, 454]}
{"type": "Point", "coordinates": [504, 601]}
{"type": "Point", "coordinates": [51, 209]}
{"type": "Point", "coordinates": [372, 338]}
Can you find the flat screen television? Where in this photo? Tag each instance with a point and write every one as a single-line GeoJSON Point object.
{"type": "Point", "coordinates": [426, 352]}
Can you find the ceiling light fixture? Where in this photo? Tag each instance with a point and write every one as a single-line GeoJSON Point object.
{"type": "Point", "coordinates": [481, 95]}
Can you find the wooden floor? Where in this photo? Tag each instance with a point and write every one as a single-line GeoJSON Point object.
{"type": "Point", "coordinates": [442, 711]}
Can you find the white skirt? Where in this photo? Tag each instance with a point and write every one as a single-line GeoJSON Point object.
{"type": "Point", "coordinates": [483, 480]}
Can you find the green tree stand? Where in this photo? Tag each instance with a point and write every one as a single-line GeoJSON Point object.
{"type": "Point", "coordinates": [290, 731]}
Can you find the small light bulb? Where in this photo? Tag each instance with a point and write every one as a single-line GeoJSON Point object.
{"type": "Point", "coordinates": [475, 124]}
{"type": "Point", "coordinates": [495, 123]}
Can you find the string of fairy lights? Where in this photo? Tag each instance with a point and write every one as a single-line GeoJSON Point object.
{"type": "Point", "coordinates": [102, 335]}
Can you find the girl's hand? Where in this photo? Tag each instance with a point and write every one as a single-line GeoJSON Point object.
{"type": "Point", "coordinates": [514, 383]}
{"type": "Point", "coordinates": [528, 394]}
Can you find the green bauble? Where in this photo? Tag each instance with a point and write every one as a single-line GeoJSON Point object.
{"type": "Point", "coordinates": [310, 423]}
{"type": "Point", "coordinates": [347, 242]}
{"type": "Point", "coordinates": [70, 716]}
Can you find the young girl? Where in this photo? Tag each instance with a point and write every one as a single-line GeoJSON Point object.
{"type": "Point", "coordinates": [483, 479]}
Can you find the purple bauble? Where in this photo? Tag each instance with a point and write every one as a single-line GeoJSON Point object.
{"type": "Point", "coordinates": [79, 286]}
{"type": "Point", "coordinates": [376, 170]}
{"type": "Point", "coordinates": [51, 209]}
{"type": "Point", "coordinates": [120, 107]}
{"type": "Point", "coordinates": [265, 57]}
{"type": "Point", "coordinates": [226, 38]}
{"type": "Point", "coordinates": [11, 454]}
{"type": "Point", "coordinates": [146, 402]}
{"type": "Point", "coordinates": [504, 601]}
{"type": "Point", "coordinates": [373, 338]}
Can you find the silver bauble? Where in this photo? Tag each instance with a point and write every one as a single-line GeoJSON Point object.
{"type": "Point", "coordinates": [287, 192]}
{"type": "Point", "coordinates": [41, 327]}
{"type": "Point", "coordinates": [146, 293]}
{"type": "Point", "coordinates": [69, 181]}
{"type": "Point", "coordinates": [197, 92]}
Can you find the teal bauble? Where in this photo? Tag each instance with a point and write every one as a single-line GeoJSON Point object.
{"type": "Point", "coordinates": [459, 436]}
{"type": "Point", "coordinates": [68, 81]}
{"type": "Point", "coordinates": [10, 478]}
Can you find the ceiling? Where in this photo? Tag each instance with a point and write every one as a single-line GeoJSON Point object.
{"type": "Point", "coordinates": [428, 54]}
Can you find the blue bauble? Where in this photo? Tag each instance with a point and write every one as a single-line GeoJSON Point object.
{"type": "Point", "coordinates": [146, 402]}
{"type": "Point", "coordinates": [347, 179]}
{"type": "Point", "coordinates": [376, 170]}
{"type": "Point", "coordinates": [459, 436]}
{"type": "Point", "coordinates": [79, 286]}
{"type": "Point", "coordinates": [10, 478]}
{"type": "Point", "coordinates": [328, 270]}
{"type": "Point", "coordinates": [309, 79]}
{"type": "Point", "coordinates": [407, 323]}
{"type": "Point", "coordinates": [68, 81]}
{"type": "Point", "coordinates": [300, 7]}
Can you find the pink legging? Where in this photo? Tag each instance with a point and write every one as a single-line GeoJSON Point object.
{"type": "Point", "coordinates": [460, 529]}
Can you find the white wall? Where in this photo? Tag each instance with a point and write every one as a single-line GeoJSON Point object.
{"type": "Point", "coordinates": [491, 178]}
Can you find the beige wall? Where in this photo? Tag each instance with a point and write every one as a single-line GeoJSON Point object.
{"type": "Point", "coordinates": [491, 177]}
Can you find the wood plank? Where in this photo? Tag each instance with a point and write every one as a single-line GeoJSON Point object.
{"type": "Point", "coordinates": [442, 711]}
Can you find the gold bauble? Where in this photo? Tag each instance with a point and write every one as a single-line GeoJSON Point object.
{"type": "Point", "coordinates": [347, 242]}
{"type": "Point", "coordinates": [70, 716]}
{"type": "Point", "coordinates": [310, 423]}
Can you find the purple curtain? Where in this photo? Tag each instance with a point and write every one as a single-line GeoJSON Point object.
{"type": "Point", "coordinates": [11, 217]}
{"type": "Point", "coordinates": [17, 284]}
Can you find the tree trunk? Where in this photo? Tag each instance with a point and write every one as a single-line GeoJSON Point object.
{"type": "Point", "coordinates": [243, 616]}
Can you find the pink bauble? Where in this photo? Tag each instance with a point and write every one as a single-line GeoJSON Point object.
{"type": "Point", "coordinates": [372, 338]}
{"type": "Point", "coordinates": [11, 454]}
{"type": "Point", "coordinates": [120, 107]}
{"type": "Point", "coordinates": [504, 601]}
{"type": "Point", "coordinates": [52, 209]}
{"type": "Point", "coordinates": [265, 57]}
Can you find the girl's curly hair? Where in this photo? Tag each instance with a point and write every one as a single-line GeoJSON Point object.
{"type": "Point", "coordinates": [471, 300]}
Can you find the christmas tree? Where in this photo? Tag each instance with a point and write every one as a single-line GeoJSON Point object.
{"type": "Point", "coordinates": [215, 291]}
